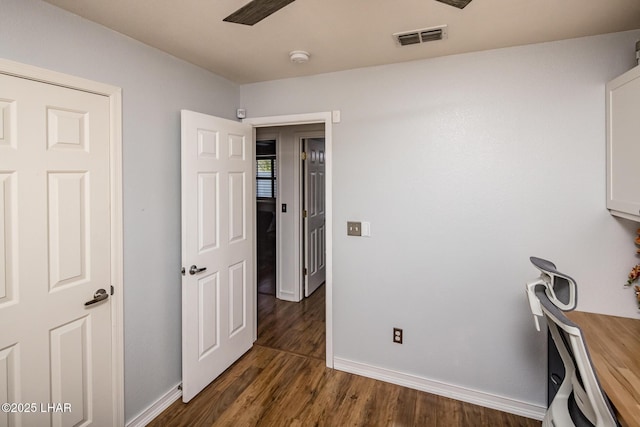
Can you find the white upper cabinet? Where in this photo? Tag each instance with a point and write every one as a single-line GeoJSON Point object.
{"type": "Point", "coordinates": [623, 145]}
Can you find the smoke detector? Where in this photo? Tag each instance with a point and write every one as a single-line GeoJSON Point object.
{"type": "Point", "coordinates": [423, 35]}
{"type": "Point", "coordinates": [299, 56]}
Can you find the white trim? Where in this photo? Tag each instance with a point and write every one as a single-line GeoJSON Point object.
{"type": "Point", "coordinates": [53, 77]}
{"type": "Point", "coordinates": [299, 119]}
{"type": "Point", "coordinates": [149, 414]}
{"type": "Point", "coordinates": [475, 397]}
{"type": "Point", "coordinates": [287, 120]}
{"type": "Point", "coordinates": [287, 296]}
{"type": "Point", "coordinates": [115, 143]}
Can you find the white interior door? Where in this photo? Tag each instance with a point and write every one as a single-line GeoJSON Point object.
{"type": "Point", "coordinates": [55, 351]}
{"type": "Point", "coordinates": [218, 246]}
{"type": "Point", "coordinates": [314, 201]}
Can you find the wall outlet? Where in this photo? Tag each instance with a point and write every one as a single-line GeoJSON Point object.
{"type": "Point", "coordinates": [397, 335]}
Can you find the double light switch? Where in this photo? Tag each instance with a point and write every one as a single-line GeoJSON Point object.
{"type": "Point", "coordinates": [357, 228]}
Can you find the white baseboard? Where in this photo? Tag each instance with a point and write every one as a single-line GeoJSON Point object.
{"type": "Point", "coordinates": [287, 296]}
{"type": "Point", "coordinates": [486, 400]}
{"type": "Point", "coordinates": [146, 416]}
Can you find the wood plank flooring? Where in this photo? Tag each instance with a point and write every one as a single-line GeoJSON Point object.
{"type": "Point", "coordinates": [294, 327]}
{"type": "Point", "coordinates": [283, 381]}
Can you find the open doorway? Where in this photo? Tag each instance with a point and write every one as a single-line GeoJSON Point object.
{"type": "Point", "coordinates": [290, 238]}
{"type": "Point", "coordinates": [283, 178]}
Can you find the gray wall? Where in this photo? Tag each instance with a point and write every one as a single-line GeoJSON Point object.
{"type": "Point", "coordinates": [155, 87]}
{"type": "Point", "coordinates": [466, 166]}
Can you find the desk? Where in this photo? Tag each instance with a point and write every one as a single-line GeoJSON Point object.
{"type": "Point", "coordinates": [614, 346]}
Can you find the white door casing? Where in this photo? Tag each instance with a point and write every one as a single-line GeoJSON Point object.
{"type": "Point", "coordinates": [218, 219]}
{"type": "Point", "coordinates": [314, 220]}
{"type": "Point", "coordinates": [60, 240]}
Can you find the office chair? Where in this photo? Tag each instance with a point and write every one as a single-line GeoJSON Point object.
{"type": "Point", "coordinates": [580, 400]}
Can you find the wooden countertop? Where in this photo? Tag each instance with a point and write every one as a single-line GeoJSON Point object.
{"type": "Point", "coordinates": [614, 346]}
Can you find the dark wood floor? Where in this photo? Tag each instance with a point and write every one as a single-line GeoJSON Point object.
{"type": "Point", "coordinates": [283, 381]}
{"type": "Point", "coordinates": [297, 328]}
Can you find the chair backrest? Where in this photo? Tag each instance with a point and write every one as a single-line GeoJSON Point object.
{"type": "Point", "coordinates": [580, 401]}
{"type": "Point", "coordinates": [587, 404]}
{"type": "Point", "coordinates": [560, 288]}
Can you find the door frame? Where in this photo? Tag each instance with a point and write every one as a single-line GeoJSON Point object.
{"type": "Point", "coordinates": [303, 119]}
{"type": "Point", "coordinates": [114, 94]}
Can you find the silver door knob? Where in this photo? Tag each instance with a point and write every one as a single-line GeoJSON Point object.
{"type": "Point", "coordinates": [194, 269]}
{"type": "Point", "coordinates": [100, 295]}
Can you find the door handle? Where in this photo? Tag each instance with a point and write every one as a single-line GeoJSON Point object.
{"type": "Point", "coordinates": [100, 295]}
{"type": "Point", "coordinates": [194, 269]}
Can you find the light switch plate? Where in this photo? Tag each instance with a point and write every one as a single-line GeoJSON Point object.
{"type": "Point", "coordinates": [354, 228]}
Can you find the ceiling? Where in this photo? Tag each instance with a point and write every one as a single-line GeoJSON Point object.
{"type": "Point", "coordinates": [345, 34]}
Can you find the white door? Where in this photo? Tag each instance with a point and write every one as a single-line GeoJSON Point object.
{"type": "Point", "coordinates": [314, 224]}
{"type": "Point", "coordinates": [55, 351]}
{"type": "Point", "coordinates": [218, 216]}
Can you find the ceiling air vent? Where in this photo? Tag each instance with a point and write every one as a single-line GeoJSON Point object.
{"type": "Point", "coordinates": [424, 35]}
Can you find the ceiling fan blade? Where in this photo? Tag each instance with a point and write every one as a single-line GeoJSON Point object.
{"type": "Point", "coordinates": [255, 11]}
{"type": "Point", "coordinates": [460, 4]}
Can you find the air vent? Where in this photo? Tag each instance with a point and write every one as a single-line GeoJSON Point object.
{"type": "Point", "coordinates": [424, 35]}
{"type": "Point", "coordinates": [407, 39]}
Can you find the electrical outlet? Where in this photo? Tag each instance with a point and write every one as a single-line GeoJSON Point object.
{"type": "Point", "coordinates": [397, 335]}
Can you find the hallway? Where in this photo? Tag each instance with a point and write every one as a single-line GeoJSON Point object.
{"type": "Point", "coordinates": [297, 328]}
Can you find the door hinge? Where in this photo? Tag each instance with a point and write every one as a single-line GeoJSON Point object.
{"type": "Point", "coordinates": [303, 155]}
{"type": "Point", "coordinates": [304, 213]}
{"type": "Point", "coordinates": [183, 271]}
{"type": "Point", "coordinates": [112, 290]}
{"type": "Point", "coordinates": [304, 271]}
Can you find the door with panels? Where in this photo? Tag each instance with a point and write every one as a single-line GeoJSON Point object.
{"type": "Point", "coordinates": [218, 247]}
{"type": "Point", "coordinates": [55, 256]}
{"type": "Point", "coordinates": [314, 215]}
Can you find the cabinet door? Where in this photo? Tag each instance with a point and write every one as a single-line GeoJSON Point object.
{"type": "Point", "coordinates": [623, 145]}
